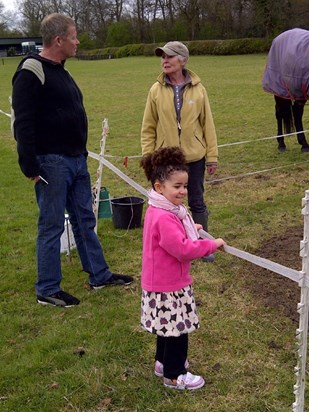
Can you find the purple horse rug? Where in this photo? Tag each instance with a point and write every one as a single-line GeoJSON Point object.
{"type": "Point", "coordinates": [287, 70]}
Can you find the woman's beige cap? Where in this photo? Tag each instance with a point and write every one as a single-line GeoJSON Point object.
{"type": "Point", "coordinates": [173, 48]}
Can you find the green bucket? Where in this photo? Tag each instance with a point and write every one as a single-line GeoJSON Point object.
{"type": "Point", "coordinates": [105, 209]}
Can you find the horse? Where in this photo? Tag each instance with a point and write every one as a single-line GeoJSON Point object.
{"type": "Point", "coordinates": [286, 76]}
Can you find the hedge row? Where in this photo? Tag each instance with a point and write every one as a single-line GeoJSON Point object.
{"type": "Point", "coordinates": [201, 47]}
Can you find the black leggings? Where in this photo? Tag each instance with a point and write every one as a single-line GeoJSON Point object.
{"type": "Point", "coordinates": [172, 352]}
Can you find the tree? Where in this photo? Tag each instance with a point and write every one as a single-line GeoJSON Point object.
{"type": "Point", "coordinates": [125, 21]}
{"type": "Point", "coordinates": [33, 12]}
{"type": "Point", "coordinates": [117, 7]}
{"type": "Point", "coordinates": [86, 43]}
{"type": "Point", "coordinates": [299, 14]}
{"type": "Point", "coordinates": [7, 22]}
{"type": "Point", "coordinates": [120, 33]}
{"type": "Point", "coordinates": [189, 11]}
{"type": "Point", "coordinates": [271, 16]}
{"type": "Point", "coordinates": [3, 20]}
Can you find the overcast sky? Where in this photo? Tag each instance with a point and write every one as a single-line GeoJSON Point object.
{"type": "Point", "coordinates": [8, 4]}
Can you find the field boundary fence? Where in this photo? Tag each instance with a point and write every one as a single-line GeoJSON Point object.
{"type": "Point", "coordinates": [301, 277]}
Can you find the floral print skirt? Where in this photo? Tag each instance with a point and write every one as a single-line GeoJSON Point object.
{"type": "Point", "coordinates": [169, 313]}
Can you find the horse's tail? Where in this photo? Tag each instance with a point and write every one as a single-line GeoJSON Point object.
{"type": "Point", "coordinates": [284, 114]}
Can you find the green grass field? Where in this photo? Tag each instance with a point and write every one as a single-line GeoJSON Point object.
{"type": "Point", "coordinates": [95, 357]}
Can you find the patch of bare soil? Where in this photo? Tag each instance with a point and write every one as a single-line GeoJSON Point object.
{"type": "Point", "coordinates": [272, 289]}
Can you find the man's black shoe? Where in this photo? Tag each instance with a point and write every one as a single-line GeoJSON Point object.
{"type": "Point", "coordinates": [60, 298]}
{"type": "Point", "coordinates": [114, 280]}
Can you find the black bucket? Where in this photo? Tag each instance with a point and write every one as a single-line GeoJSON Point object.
{"type": "Point", "coordinates": [127, 212]}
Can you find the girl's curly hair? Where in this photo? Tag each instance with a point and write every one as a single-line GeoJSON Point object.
{"type": "Point", "coordinates": [163, 162]}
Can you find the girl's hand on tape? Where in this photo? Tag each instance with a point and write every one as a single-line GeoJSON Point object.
{"type": "Point", "coordinates": [220, 244]}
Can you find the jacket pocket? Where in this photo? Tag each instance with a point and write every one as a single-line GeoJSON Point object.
{"type": "Point", "coordinates": [200, 140]}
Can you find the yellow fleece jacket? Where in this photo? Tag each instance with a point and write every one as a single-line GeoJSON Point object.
{"type": "Point", "coordinates": [196, 134]}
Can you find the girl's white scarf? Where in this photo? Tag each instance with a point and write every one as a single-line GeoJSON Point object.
{"type": "Point", "coordinates": [159, 201]}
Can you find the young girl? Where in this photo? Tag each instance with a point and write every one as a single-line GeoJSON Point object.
{"type": "Point", "coordinates": [170, 242]}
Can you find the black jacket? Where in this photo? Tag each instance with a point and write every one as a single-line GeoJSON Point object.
{"type": "Point", "coordinates": [48, 114]}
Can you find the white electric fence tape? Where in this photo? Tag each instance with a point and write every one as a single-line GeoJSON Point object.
{"type": "Point", "coordinates": [292, 274]}
{"type": "Point", "coordinates": [118, 172]}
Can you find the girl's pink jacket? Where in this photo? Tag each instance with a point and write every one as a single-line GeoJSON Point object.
{"type": "Point", "coordinates": [167, 252]}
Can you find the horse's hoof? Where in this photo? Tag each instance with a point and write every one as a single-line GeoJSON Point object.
{"type": "Point", "coordinates": [305, 149]}
{"type": "Point", "coordinates": [282, 149]}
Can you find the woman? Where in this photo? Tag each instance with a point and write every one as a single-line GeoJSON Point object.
{"type": "Point", "coordinates": [178, 113]}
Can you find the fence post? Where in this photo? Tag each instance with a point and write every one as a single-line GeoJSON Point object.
{"type": "Point", "coordinates": [97, 185]}
{"type": "Point", "coordinates": [302, 308]}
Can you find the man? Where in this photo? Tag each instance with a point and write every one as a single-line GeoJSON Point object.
{"type": "Point", "coordinates": [50, 127]}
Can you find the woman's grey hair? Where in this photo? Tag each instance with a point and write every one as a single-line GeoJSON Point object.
{"type": "Point", "coordinates": [54, 25]}
{"type": "Point", "coordinates": [182, 59]}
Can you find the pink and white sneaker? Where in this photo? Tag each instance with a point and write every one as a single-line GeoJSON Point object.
{"type": "Point", "coordinates": [158, 369]}
{"type": "Point", "coordinates": [187, 381]}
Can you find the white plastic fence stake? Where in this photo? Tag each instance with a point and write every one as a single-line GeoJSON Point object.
{"type": "Point", "coordinates": [302, 308]}
{"type": "Point", "coordinates": [97, 185]}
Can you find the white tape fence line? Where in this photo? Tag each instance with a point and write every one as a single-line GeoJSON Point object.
{"type": "Point", "coordinates": [301, 277]}
{"type": "Point", "coordinates": [212, 180]}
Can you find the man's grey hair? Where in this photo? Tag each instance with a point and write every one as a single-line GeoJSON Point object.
{"type": "Point", "coordinates": [54, 25]}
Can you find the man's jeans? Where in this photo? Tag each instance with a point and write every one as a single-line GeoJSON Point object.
{"type": "Point", "coordinates": [69, 188]}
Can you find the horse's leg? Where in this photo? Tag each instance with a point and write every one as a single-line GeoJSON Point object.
{"type": "Point", "coordinates": [284, 117]}
{"type": "Point", "coordinates": [279, 117]}
{"type": "Point", "coordinates": [298, 111]}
